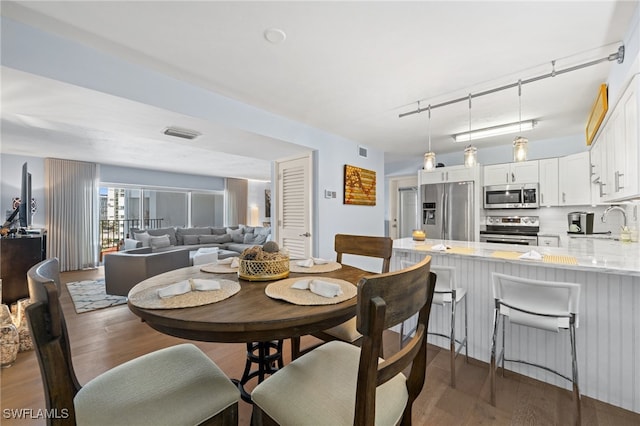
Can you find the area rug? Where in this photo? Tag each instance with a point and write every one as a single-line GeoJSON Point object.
{"type": "Point", "coordinates": [90, 295]}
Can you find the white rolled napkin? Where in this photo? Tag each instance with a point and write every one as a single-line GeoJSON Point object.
{"type": "Point", "coordinates": [319, 287]}
{"type": "Point", "coordinates": [319, 261]}
{"type": "Point", "coordinates": [439, 247]}
{"type": "Point", "coordinates": [235, 262]}
{"type": "Point", "coordinates": [532, 254]}
{"type": "Point", "coordinates": [188, 285]}
{"type": "Point", "coordinates": [226, 261]}
{"type": "Point", "coordinates": [307, 263]}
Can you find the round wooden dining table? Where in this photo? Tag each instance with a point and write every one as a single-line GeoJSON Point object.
{"type": "Point", "coordinates": [248, 316]}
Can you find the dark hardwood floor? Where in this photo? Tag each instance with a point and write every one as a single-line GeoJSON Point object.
{"type": "Point", "coordinates": [103, 339]}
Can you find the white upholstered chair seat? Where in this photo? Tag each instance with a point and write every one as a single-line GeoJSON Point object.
{"type": "Point", "coordinates": [347, 331]}
{"type": "Point", "coordinates": [445, 297]}
{"type": "Point", "coordinates": [139, 392]}
{"type": "Point", "coordinates": [322, 385]}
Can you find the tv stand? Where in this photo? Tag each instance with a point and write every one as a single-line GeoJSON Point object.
{"type": "Point", "coordinates": [18, 254]}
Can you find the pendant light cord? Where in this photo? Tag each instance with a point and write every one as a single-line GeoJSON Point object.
{"type": "Point", "coordinates": [520, 105]}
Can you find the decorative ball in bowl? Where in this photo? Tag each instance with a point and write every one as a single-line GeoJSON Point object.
{"type": "Point", "coordinates": [258, 264]}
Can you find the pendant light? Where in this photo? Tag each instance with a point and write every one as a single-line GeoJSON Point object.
{"type": "Point", "coordinates": [520, 142]}
{"type": "Point", "coordinates": [470, 152]}
{"type": "Point", "coordinates": [429, 156]}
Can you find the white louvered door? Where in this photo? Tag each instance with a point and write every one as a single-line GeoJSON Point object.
{"type": "Point", "coordinates": [294, 206]}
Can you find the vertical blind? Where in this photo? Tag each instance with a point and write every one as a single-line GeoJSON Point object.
{"type": "Point", "coordinates": [71, 189]}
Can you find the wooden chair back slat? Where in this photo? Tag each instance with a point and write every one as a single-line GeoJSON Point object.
{"type": "Point", "coordinates": [363, 245]}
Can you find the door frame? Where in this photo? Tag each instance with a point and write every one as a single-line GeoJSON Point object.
{"type": "Point", "coordinates": [395, 183]}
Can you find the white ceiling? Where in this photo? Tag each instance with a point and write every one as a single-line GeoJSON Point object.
{"type": "Point", "coordinates": [348, 68]}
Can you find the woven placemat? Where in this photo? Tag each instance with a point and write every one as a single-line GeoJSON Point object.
{"type": "Point", "coordinates": [148, 298]}
{"type": "Point", "coordinates": [567, 260]}
{"type": "Point", "coordinates": [315, 269]}
{"type": "Point", "coordinates": [282, 290]}
{"type": "Point", "coordinates": [506, 254]}
{"type": "Point", "coordinates": [216, 268]}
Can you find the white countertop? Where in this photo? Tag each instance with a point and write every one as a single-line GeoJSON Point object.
{"type": "Point", "coordinates": [592, 254]}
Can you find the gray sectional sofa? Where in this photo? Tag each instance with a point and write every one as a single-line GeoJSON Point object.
{"type": "Point", "coordinates": [154, 251]}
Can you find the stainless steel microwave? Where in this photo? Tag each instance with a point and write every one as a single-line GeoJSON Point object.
{"type": "Point", "coordinates": [522, 196]}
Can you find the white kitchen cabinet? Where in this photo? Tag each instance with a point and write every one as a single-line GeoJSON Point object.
{"type": "Point", "coordinates": [507, 173]}
{"type": "Point", "coordinates": [597, 154]}
{"type": "Point", "coordinates": [548, 174]}
{"type": "Point", "coordinates": [574, 179]}
{"type": "Point", "coordinates": [449, 174]}
{"type": "Point", "coordinates": [615, 154]}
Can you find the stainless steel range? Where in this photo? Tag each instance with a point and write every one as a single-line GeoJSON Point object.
{"type": "Point", "coordinates": [522, 230]}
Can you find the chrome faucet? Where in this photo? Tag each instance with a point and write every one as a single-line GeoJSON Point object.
{"type": "Point", "coordinates": [614, 208]}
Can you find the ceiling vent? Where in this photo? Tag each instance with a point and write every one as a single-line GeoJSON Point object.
{"type": "Point", "coordinates": [181, 133]}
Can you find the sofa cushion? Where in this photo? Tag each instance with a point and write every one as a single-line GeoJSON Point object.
{"type": "Point", "coordinates": [159, 242]}
{"type": "Point", "coordinates": [236, 235]}
{"type": "Point", "coordinates": [190, 239]}
{"type": "Point", "coordinates": [256, 239]}
{"type": "Point", "coordinates": [220, 239]}
{"type": "Point", "coordinates": [218, 231]}
{"type": "Point", "coordinates": [181, 232]}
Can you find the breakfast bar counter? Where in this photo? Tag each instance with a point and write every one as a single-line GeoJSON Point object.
{"type": "Point", "coordinates": [608, 333]}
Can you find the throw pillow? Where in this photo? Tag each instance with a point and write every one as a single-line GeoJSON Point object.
{"type": "Point", "coordinates": [236, 235]}
{"type": "Point", "coordinates": [159, 242]}
{"type": "Point", "coordinates": [262, 230]}
{"type": "Point", "coordinates": [159, 232]}
{"type": "Point", "coordinates": [190, 240]}
{"type": "Point", "coordinates": [142, 237]}
{"type": "Point", "coordinates": [209, 239]}
{"type": "Point", "coordinates": [252, 238]}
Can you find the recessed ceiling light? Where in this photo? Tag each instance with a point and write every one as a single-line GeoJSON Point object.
{"type": "Point", "coordinates": [181, 132]}
{"type": "Point", "coordinates": [275, 35]}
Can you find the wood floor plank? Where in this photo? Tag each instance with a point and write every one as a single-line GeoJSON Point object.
{"type": "Point", "coordinates": [103, 339]}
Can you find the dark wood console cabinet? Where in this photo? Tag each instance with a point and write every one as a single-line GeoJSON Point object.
{"type": "Point", "coordinates": [18, 255]}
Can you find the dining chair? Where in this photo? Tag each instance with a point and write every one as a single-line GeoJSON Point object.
{"type": "Point", "coordinates": [175, 385]}
{"type": "Point", "coordinates": [342, 384]}
{"type": "Point", "coordinates": [448, 294]}
{"type": "Point", "coordinates": [546, 305]}
{"type": "Point", "coordinates": [356, 245]}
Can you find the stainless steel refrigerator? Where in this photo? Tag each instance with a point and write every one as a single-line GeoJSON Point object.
{"type": "Point", "coordinates": [448, 210]}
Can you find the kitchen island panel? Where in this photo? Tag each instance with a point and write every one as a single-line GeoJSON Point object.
{"type": "Point", "coordinates": [608, 335]}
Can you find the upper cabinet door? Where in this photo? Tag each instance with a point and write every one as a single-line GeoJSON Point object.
{"type": "Point", "coordinates": [525, 172]}
{"type": "Point", "coordinates": [548, 173]}
{"type": "Point", "coordinates": [574, 178]}
{"type": "Point", "coordinates": [497, 174]}
{"type": "Point", "coordinates": [511, 173]}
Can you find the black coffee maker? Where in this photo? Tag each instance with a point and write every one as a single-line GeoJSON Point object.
{"type": "Point", "coordinates": [580, 222]}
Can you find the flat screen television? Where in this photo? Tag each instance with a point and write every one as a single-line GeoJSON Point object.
{"type": "Point", "coordinates": [24, 209]}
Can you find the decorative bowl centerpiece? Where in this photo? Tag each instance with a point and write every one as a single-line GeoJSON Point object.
{"type": "Point", "coordinates": [265, 263]}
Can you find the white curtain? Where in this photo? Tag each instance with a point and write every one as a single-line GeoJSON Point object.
{"type": "Point", "coordinates": [71, 189]}
{"type": "Point", "coordinates": [237, 192]}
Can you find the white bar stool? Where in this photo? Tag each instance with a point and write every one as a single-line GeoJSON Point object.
{"type": "Point", "coordinates": [546, 305]}
{"type": "Point", "coordinates": [445, 293]}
